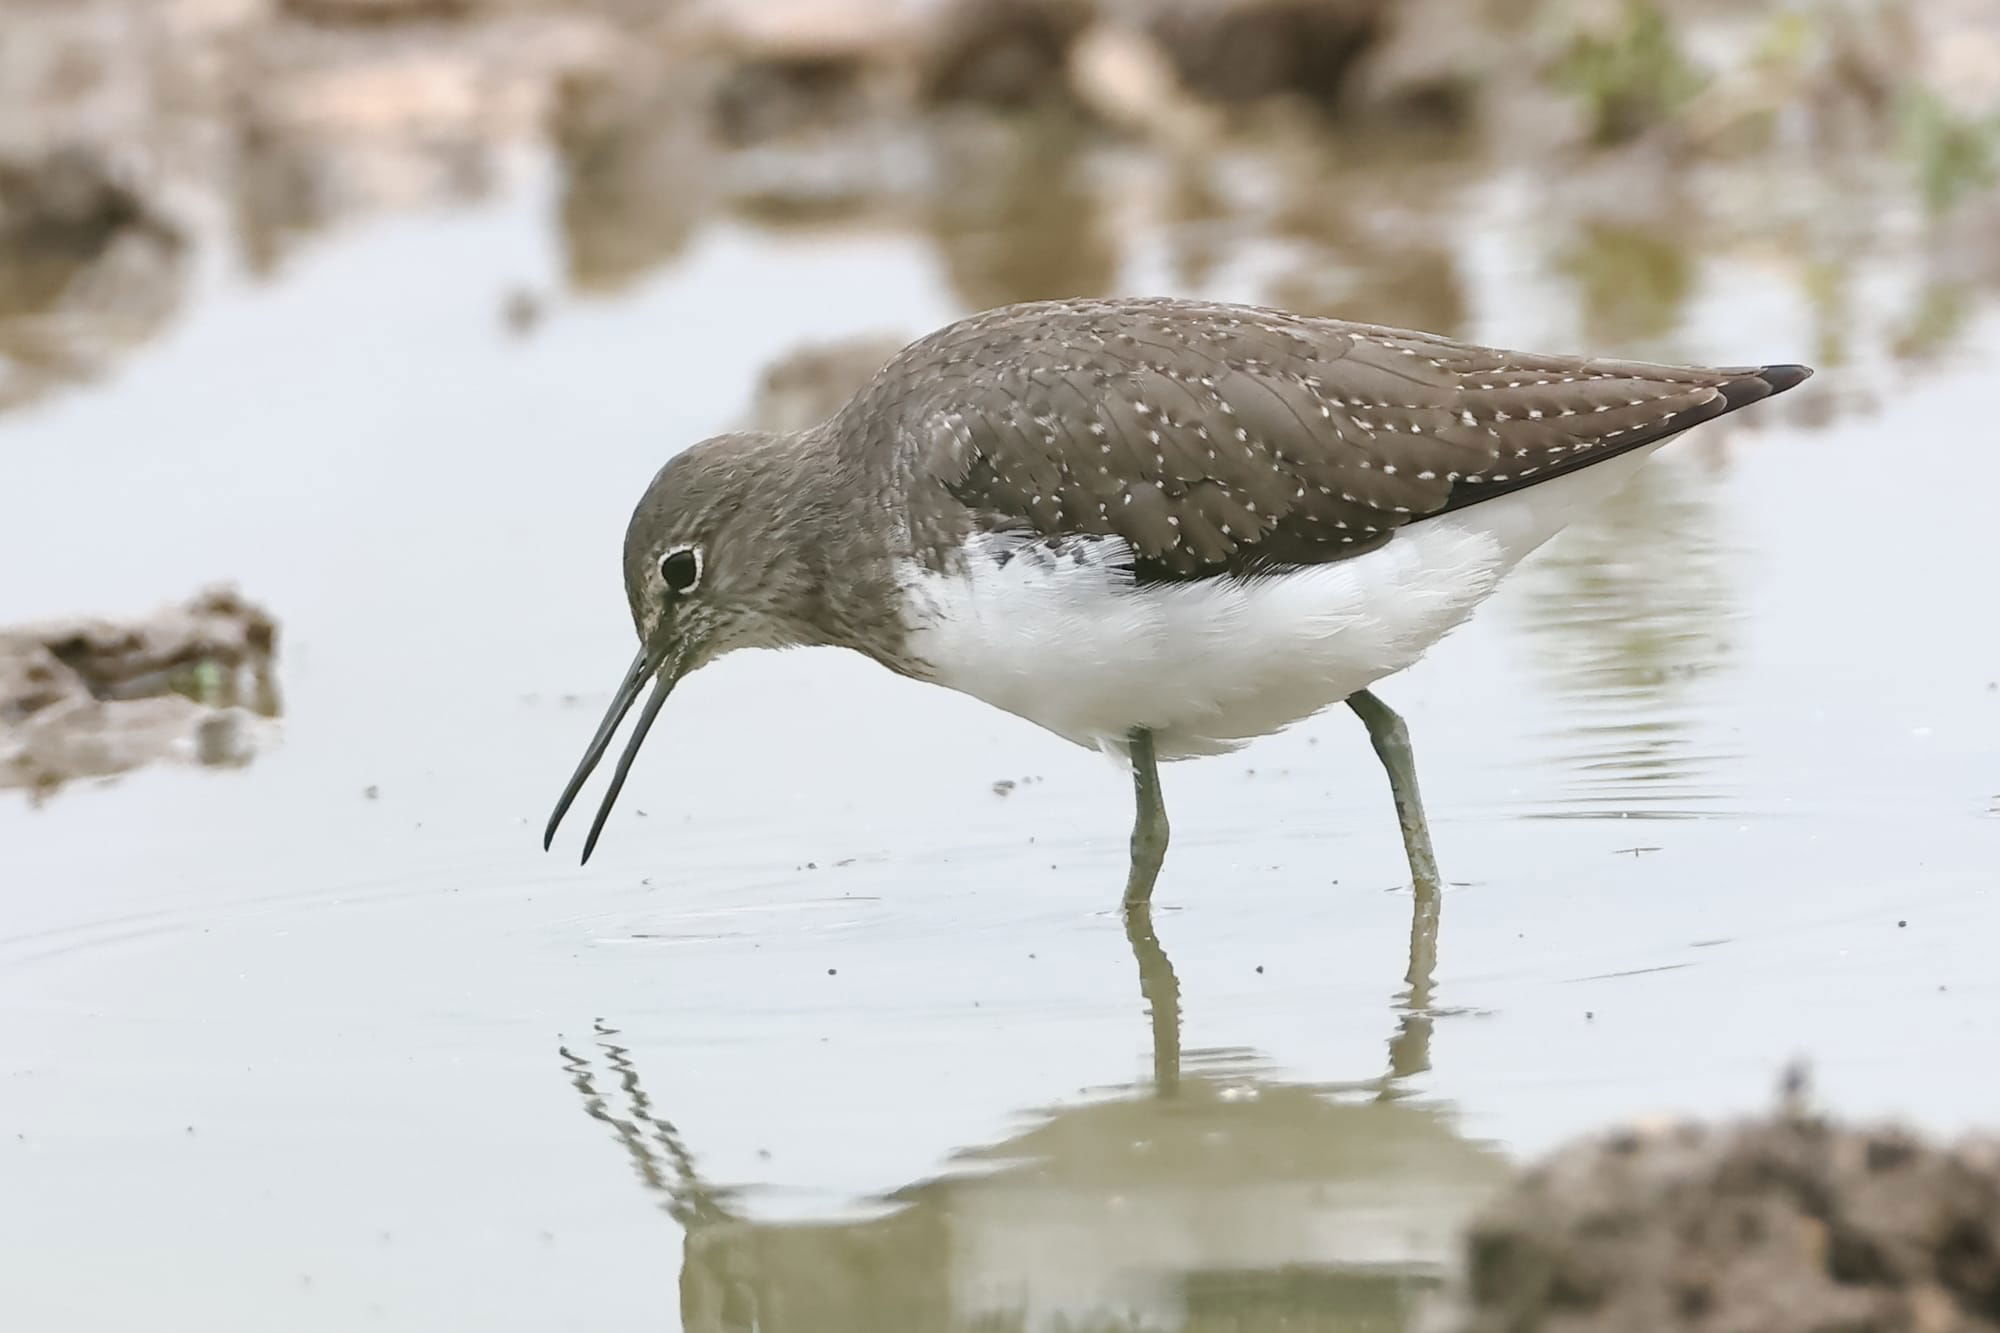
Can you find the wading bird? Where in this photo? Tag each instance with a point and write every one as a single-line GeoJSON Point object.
{"type": "Point", "coordinates": [1154, 527]}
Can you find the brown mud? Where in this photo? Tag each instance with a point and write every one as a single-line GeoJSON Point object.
{"type": "Point", "coordinates": [93, 698]}
{"type": "Point", "coordinates": [1793, 1223]}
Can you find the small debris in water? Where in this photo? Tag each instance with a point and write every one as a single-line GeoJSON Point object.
{"type": "Point", "coordinates": [372, 792]}
{"type": "Point", "coordinates": [833, 971]}
{"type": "Point", "coordinates": [522, 312]}
{"type": "Point", "coordinates": [1003, 786]}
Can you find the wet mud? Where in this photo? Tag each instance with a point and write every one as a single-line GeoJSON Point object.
{"type": "Point", "coordinates": [92, 698]}
{"type": "Point", "coordinates": [1794, 1223]}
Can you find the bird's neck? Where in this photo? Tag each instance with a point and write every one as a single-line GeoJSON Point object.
{"type": "Point", "coordinates": [836, 564]}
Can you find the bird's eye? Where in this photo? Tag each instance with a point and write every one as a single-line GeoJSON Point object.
{"type": "Point", "coordinates": [681, 569]}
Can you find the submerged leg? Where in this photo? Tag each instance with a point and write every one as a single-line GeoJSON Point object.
{"type": "Point", "coordinates": [1162, 990]}
{"type": "Point", "coordinates": [1149, 828]}
{"type": "Point", "coordinates": [1410, 1048]}
{"type": "Point", "coordinates": [1392, 746]}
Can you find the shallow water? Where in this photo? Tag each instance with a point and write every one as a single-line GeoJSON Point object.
{"type": "Point", "coordinates": [831, 1034]}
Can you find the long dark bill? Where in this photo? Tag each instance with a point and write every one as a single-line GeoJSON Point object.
{"type": "Point", "coordinates": [661, 689]}
{"type": "Point", "coordinates": [621, 704]}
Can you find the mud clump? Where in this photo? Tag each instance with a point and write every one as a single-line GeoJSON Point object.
{"type": "Point", "coordinates": [87, 263]}
{"type": "Point", "coordinates": [68, 202]}
{"type": "Point", "coordinates": [90, 698]}
{"type": "Point", "coordinates": [792, 70]}
{"type": "Point", "coordinates": [1003, 53]}
{"type": "Point", "coordinates": [377, 11]}
{"type": "Point", "coordinates": [813, 381]}
{"type": "Point", "coordinates": [1237, 51]}
{"type": "Point", "coordinates": [1786, 1225]}
{"type": "Point", "coordinates": [636, 170]}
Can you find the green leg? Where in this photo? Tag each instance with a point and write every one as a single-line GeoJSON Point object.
{"type": "Point", "coordinates": [1392, 746]}
{"type": "Point", "coordinates": [1149, 829]}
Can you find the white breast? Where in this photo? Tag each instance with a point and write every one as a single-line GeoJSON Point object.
{"type": "Point", "coordinates": [1064, 638]}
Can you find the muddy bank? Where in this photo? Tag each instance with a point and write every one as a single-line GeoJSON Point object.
{"type": "Point", "coordinates": [1334, 143]}
{"type": "Point", "coordinates": [1015, 135]}
{"type": "Point", "coordinates": [92, 698]}
{"type": "Point", "coordinates": [1791, 1224]}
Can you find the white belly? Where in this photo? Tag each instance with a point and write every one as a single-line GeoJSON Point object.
{"type": "Point", "coordinates": [1068, 641]}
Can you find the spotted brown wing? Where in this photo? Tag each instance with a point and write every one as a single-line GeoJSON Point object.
{"type": "Point", "coordinates": [1223, 439]}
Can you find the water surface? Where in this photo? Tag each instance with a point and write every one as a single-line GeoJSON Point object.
{"type": "Point", "coordinates": [831, 1034]}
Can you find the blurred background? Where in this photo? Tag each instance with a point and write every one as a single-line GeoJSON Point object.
{"type": "Point", "coordinates": [338, 337]}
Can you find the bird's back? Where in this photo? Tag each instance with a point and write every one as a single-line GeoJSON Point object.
{"type": "Point", "coordinates": [1222, 439]}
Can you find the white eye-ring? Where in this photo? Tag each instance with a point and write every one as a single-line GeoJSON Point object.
{"type": "Point", "coordinates": [680, 569]}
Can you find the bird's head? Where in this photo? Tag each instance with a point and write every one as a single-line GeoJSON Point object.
{"type": "Point", "coordinates": [706, 572]}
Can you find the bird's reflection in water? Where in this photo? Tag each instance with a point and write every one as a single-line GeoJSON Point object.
{"type": "Point", "coordinates": [1216, 1198]}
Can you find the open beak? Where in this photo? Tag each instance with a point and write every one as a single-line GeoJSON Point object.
{"type": "Point", "coordinates": [642, 669]}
